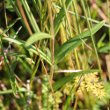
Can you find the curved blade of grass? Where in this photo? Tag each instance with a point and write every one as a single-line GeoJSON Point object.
{"type": "Point", "coordinates": [62, 81]}
{"type": "Point", "coordinates": [30, 48]}
{"type": "Point", "coordinates": [60, 16]}
{"type": "Point", "coordinates": [12, 40]}
{"type": "Point", "coordinates": [37, 36]}
{"type": "Point", "coordinates": [74, 42]}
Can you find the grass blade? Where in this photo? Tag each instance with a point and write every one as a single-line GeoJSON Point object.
{"type": "Point", "coordinates": [104, 49]}
{"type": "Point", "coordinates": [74, 42]}
{"type": "Point", "coordinates": [30, 16]}
{"type": "Point", "coordinates": [30, 48]}
{"type": "Point", "coordinates": [10, 91]}
{"type": "Point", "coordinates": [37, 36]}
{"type": "Point", "coordinates": [9, 70]}
{"type": "Point", "coordinates": [60, 16]}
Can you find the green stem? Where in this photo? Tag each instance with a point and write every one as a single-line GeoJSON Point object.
{"type": "Point", "coordinates": [30, 16]}
{"type": "Point", "coordinates": [52, 40]}
{"type": "Point", "coordinates": [92, 37]}
{"type": "Point", "coordinates": [71, 33]}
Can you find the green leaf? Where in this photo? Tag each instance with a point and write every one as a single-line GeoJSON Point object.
{"type": "Point", "coordinates": [62, 81]}
{"type": "Point", "coordinates": [9, 70]}
{"type": "Point", "coordinates": [60, 16]}
{"type": "Point", "coordinates": [40, 53]}
{"type": "Point", "coordinates": [74, 42]}
{"type": "Point", "coordinates": [30, 16]}
{"type": "Point", "coordinates": [30, 48]}
{"type": "Point", "coordinates": [100, 42]}
{"type": "Point", "coordinates": [9, 6]}
{"type": "Point", "coordinates": [105, 48]}
{"type": "Point", "coordinates": [12, 40]}
{"type": "Point", "coordinates": [10, 91]}
{"type": "Point", "coordinates": [37, 36]}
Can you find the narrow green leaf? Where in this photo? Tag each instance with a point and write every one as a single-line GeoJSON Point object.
{"type": "Point", "coordinates": [30, 16]}
{"type": "Point", "coordinates": [12, 40]}
{"type": "Point", "coordinates": [37, 36]}
{"type": "Point", "coordinates": [30, 48]}
{"type": "Point", "coordinates": [41, 54]}
{"type": "Point", "coordinates": [60, 16]}
{"type": "Point", "coordinates": [62, 81]}
{"type": "Point", "coordinates": [10, 91]}
{"type": "Point", "coordinates": [104, 49]}
{"type": "Point", "coordinates": [74, 42]}
{"type": "Point", "coordinates": [10, 72]}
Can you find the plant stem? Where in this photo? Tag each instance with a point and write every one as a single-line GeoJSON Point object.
{"type": "Point", "coordinates": [92, 38]}
{"type": "Point", "coordinates": [52, 40]}
{"type": "Point", "coordinates": [71, 34]}
{"type": "Point", "coordinates": [30, 16]}
{"type": "Point", "coordinates": [24, 16]}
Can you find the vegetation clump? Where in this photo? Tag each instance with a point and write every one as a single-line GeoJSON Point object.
{"type": "Point", "coordinates": [54, 55]}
